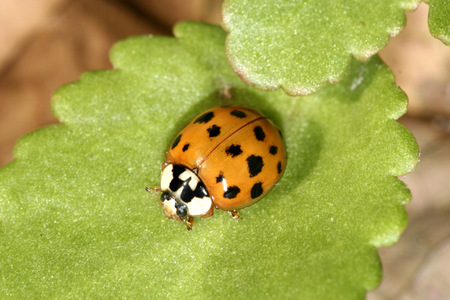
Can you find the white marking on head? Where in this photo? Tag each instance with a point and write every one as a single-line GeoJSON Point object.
{"type": "Point", "coordinates": [199, 206]}
{"type": "Point", "coordinates": [193, 183]}
{"type": "Point", "coordinates": [185, 175]}
{"type": "Point", "coordinates": [166, 177]}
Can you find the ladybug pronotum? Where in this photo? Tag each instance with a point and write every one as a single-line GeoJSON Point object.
{"type": "Point", "coordinates": [227, 157]}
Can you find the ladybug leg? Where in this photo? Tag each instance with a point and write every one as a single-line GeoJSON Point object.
{"type": "Point", "coordinates": [235, 214]}
{"type": "Point", "coordinates": [154, 191]}
{"type": "Point", "coordinates": [189, 222]}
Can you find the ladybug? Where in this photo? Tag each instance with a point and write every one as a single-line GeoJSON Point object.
{"type": "Point", "coordinates": [226, 157]}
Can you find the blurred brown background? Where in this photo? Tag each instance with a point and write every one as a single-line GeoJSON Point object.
{"type": "Point", "coordinates": [45, 44]}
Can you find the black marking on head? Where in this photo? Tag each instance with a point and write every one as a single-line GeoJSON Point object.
{"type": "Point", "coordinates": [185, 147]}
{"type": "Point", "coordinates": [176, 182]}
{"type": "Point", "coordinates": [200, 191]}
{"type": "Point", "coordinates": [181, 210]}
{"type": "Point", "coordinates": [187, 194]}
{"type": "Point", "coordinates": [177, 170]}
{"type": "Point", "coordinates": [233, 150]}
{"type": "Point", "coordinates": [176, 141]}
{"type": "Point", "coordinates": [238, 113]}
{"type": "Point", "coordinates": [165, 196]}
{"type": "Point", "coordinates": [279, 131]}
{"type": "Point", "coordinates": [273, 150]}
{"type": "Point", "coordinates": [213, 131]}
{"type": "Point", "coordinates": [205, 118]}
{"type": "Point", "coordinates": [256, 190]}
{"type": "Point", "coordinates": [231, 192]}
{"type": "Point", "coordinates": [259, 133]}
{"type": "Point", "coordinates": [219, 178]}
{"type": "Point", "coordinates": [279, 167]}
{"type": "Point", "coordinates": [255, 165]}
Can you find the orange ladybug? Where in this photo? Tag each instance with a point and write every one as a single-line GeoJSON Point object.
{"type": "Point", "coordinates": [229, 157]}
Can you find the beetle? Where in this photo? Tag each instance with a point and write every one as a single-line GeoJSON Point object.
{"type": "Point", "coordinates": [226, 157]}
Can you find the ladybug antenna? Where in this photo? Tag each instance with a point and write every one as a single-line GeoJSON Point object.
{"type": "Point", "coordinates": [154, 191]}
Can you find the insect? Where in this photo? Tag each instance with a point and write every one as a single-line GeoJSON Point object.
{"type": "Point", "coordinates": [226, 157]}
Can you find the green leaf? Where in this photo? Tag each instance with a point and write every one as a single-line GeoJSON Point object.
{"type": "Point", "coordinates": [299, 46]}
{"type": "Point", "coordinates": [439, 20]}
{"type": "Point", "coordinates": [76, 221]}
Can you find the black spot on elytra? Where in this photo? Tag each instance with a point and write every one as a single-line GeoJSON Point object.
{"type": "Point", "coordinates": [259, 133]}
{"type": "Point", "coordinates": [279, 167]}
{"type": "Point", "coordinates": [219, 178]}
{"type": "Point", "coordinates": [273, 150]}
{"type": "Point", "coordinates": [231, 192]}
{"type": "Point", "coordinates": [279, 132]}
{"type": "Point", "coordinates": [255, 164]}
{"type": "Point", "coordinates": [205, 118]}
{"type": "Point", "coordinates": [256, 190]}
{"type": "Point", "coordinates": [238, 113]}
{"type": "Point", "coordinates": [176, 182]}
{"type": "Point", "coordinates": [233, 150]}
{"type": "Point", "coordinates": [213, 131]}
{"type": "Point", "coordinates": [176, 141]}
{"type": "Point", "coordinates": [185, 147]}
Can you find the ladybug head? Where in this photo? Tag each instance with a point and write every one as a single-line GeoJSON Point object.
{"type": "Point", "coordinates": [172, 208]}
